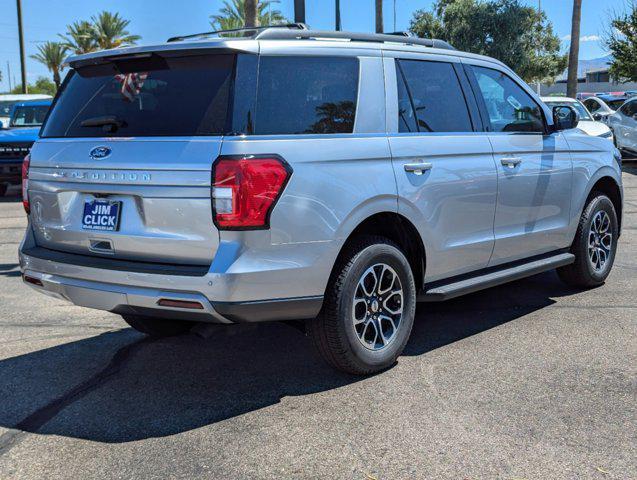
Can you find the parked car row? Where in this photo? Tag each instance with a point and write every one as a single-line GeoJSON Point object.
{"type": "Point", "coordinates": [612, 115]}
{"type": "Point", "coordinates": [21, 118]}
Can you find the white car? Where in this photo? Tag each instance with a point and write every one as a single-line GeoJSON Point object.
{"type": "Point", "coordinates": [586, 122]}
{"type": "Point", "coordinates": [7, 101]}
{"type": "Point", "coordinates": [603, 105]}
{"type": "Point", "coordinates": [624, 124]}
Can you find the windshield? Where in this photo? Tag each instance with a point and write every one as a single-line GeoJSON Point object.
{"type": "Point", "coordinates": [5, 107]}
{"type": "Point", "coordinates": [29, 115]}
{"type": "Point", "coordinates": [581, 109]}
{"type": "Point", "coordinates": [156, 96]}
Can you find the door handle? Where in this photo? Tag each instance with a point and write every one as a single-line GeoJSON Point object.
{"type": "Point", "coordinates": [511, 162]}
{"type": "Point", "coordinates": [418, 168]}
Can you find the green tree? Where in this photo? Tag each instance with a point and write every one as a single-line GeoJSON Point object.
{"type": "Point", "coordinates": [42, 85]}
{"type": "Point", "coordinates": [80, 37]}
{"type": "Point", "coordinates": [52, 55]}
{"type": "Point", "coordinates": [515, 34]}
{"type": "Point", "coordinates": [232, 15]}
{"type": "Point", "coordinates": [110, 31]}
{"type": "Point", "coordinates": [622, 43]}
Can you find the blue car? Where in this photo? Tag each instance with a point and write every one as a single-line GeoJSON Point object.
{"type": "Point", "coordinates": [16, 141]}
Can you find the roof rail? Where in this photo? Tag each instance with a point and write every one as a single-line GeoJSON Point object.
{"type": "Point", "coordinates": [396, 37]}
{"type": "Point", "coordinates": [254, 31]}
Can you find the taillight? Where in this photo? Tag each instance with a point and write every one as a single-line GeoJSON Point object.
{"type": "Point", "coordinates": [245, 190]}
{"type": "Point", "coordinates": [25, 183]}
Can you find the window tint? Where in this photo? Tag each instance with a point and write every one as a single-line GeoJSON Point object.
{"type": "Point", "coordinates": [433, 91]}
{"type": "Point", "coordinates": [145, 97]}
{"type": "Point", "coordinates": [509, 107]}
{"type": "Point", "coordinates": [299, 95]}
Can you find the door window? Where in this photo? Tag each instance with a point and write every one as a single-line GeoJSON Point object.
{"type": "Point", "coordinates": [592, 105]}
{"type": "Point", "coordinates": [298, 95]}
{"type": "Point", "coordinates": [430, 98]}
{"type": "Point", "coordinates": [629, 109]}
{"type": "Point", "coordinates": [509, 107]}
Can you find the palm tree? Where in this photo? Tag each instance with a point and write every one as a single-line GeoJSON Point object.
{"type": "Point", "coordinates": [110, 31]}
{"type": "Point", "coordinates": [250, 13]}
{"type": "Point", "coordinates": [80, 37]}
{"type": "Point", "coordinates": [573, 55]}
{"type": "Point", "coordinates": [52, 54]}
{"type": "Point", "coordinates": [232, 15]}
{"type": "Point", "coordinates": [379, 16]}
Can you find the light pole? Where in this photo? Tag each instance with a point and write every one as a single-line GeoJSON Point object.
{"type": "Point", "coordinates": [539, 19]}
{"type": "Point", "coordinates": [25, 88]}
{"type": "Point", "coordinates": [338, 15]}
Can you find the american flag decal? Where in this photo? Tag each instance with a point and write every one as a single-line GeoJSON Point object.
{"type": "Point", "coordinates": [132, 84]}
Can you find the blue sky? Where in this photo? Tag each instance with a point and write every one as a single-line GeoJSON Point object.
{"type": "Point", "coordinates": [157, 20]}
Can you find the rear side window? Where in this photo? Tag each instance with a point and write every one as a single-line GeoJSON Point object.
{"type": "Point", "coordinates": [305, 95]}
{"type": "Point", "coordinates": [430, 98]}
{"type": "Point", "coordinates": [509, 107]}
{"type": "Point", "coordinates": [155, 96]}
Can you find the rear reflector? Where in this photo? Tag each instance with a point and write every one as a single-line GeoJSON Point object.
{"type": "Point", "coordinates": [245, 189]}
{"type": "Point", "coordinates": [165, 302]}
{"type": "Point", "coordinates": [32, 280]}
{"type": "Point", "coordinates": [25, 183]}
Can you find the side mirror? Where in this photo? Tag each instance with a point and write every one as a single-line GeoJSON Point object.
{"type": "Point", "coordinates": [565, 117]}
{"type": "Point", "coordinates": [597, 117]}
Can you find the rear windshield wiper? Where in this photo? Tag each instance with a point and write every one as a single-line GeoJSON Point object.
{"type": "Point", "coordinates": [110, 123]}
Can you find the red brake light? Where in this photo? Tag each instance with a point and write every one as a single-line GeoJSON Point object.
{"type": "Point", "coordinates": [245, 190]}
{"type": "Point", "coordinates": [25, 183]}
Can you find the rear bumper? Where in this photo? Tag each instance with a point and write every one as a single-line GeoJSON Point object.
{"type": "Point", "coordinates": [85, 281]}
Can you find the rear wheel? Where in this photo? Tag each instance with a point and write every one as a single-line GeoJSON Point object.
{"type": "Point", "coordinates": [595, 244]}
{"type": "Point", "coordinates": [369, 308]}
{"type": "Point", "coordinates": [157, 327]}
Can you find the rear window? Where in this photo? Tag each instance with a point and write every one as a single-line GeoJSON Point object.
{"type": "Point", "coordinates": [305, 95]}
{"type": "Point", "coordinates": [155, 96]}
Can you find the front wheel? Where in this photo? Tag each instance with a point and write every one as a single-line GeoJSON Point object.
{"type": "Point", "coordinates": [369, 308]}
{"type": "Point", "coordinates": [595, 244]}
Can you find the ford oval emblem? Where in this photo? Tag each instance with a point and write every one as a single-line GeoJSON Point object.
{"type": "Point", "coordinates": [98, 153]}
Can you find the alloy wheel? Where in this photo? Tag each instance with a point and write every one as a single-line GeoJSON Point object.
{"type": "Point", "coordinates": [378, 306]}
{"type": "Point", "coordinates": [600, 241]}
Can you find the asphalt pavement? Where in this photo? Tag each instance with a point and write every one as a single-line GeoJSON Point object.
{"type": "Point", "coordinates": [531, 380]}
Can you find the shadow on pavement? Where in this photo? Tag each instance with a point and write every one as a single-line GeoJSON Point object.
{"type": "Point", "coordinates": [9, 270]}
{"type": "Point", "coordinates": [154, 388]}
{"type": "Point", "coordinates": [630, 167]}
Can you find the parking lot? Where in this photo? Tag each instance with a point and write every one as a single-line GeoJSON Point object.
{"type": "Point", "coordinates": [531, 380]}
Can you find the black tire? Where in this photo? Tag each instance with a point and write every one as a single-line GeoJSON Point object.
{"type": "Point", "coordinates": [582, 273]}
{"type": "Point", "coordinates": [3, 189]}
{"type": "Point", "coordinates": [333, 332]}
{"type": "Point", "coordinates": [157, 327]}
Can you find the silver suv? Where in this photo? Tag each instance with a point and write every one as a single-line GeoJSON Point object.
{"type": "Point", "coordinates": [301, 175]}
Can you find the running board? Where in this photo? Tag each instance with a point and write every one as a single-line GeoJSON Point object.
{"type": "Point", "coordinates": [488, 280]}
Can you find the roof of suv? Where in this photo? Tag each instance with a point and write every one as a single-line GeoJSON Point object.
{"type": "Point", "coordinates": [299, 36]}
